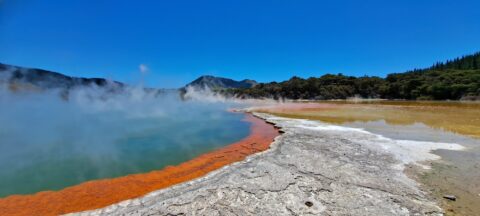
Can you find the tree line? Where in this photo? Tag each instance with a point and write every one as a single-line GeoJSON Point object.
{"type": "Point", "coordinates": [451, 80]}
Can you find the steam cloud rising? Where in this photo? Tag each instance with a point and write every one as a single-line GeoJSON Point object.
{"type": "Point", "coordinates": [49, 141]}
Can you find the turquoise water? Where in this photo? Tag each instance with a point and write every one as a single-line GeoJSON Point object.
{"type": "Point", "coordinates": [49, 144]}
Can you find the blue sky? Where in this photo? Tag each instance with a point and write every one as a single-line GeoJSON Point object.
{"type": "Point", "coordinates": [180, 40]}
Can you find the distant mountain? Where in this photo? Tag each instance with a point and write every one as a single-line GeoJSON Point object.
{"type": "Point", "coordinates": [215, 83]}
{"type": "Point", "coordinates": [20, 77]}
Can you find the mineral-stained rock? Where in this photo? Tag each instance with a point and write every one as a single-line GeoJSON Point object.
{"type": "Point", "coordinates": [450, 197]}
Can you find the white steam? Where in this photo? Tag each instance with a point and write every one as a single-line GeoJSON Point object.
{"type": "Point", "coordinates": [99, 125]}
{"type": "Point", "coordinates": [143, 69]}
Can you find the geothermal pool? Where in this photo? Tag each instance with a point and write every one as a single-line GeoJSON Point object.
{"type": "Point", "coordinates": [48, 143]}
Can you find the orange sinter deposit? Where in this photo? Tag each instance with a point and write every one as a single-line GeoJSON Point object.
{"type": "Point", "coordinates": [100, 193]}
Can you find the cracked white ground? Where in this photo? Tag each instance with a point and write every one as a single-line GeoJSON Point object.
{"type": "Point", "coordinates": [311, 169]}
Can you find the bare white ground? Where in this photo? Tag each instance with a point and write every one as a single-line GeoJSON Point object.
{"type": "Point", "coordinates": [312, 169]}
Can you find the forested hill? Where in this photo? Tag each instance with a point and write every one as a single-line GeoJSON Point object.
{"type": "Point", "coordinates": [454, 79]}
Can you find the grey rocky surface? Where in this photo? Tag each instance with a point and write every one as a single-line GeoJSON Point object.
{"type": "Point", "coordinates": [305, 172]}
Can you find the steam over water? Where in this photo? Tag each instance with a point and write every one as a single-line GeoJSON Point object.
{"type": "Point", "coordinates": [48, 142]}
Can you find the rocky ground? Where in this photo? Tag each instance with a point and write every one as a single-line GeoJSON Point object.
{"type": "Point", "coordinates": [311, 169]}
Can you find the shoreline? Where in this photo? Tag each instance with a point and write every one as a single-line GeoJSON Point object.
{"type": "Point", "coordinates": [303, 172]}
{"type": "Point", "coordinates": [103, 192]}
{"type": "Point", "coordinates": [453, 122]}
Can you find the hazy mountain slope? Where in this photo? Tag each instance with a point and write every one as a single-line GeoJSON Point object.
{"type": "Point", "coordinates": [19, 77]}
{"type": "Point", "coordinates": [212, 82]}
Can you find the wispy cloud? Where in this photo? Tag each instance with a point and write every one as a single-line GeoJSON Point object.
{"type": "Point", "coordinates": [143, 69]}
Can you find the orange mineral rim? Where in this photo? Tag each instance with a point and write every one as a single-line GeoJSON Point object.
{"type": "Point", "coordinates": [100, 193]}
